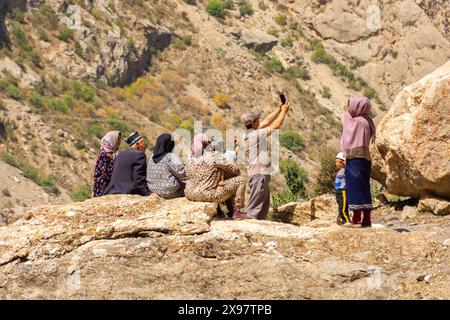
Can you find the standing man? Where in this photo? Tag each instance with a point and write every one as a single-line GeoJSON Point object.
{"type": "Point", "coordinates": [129, 174]}
{"type": "Point", "coordinates": [258, 158]}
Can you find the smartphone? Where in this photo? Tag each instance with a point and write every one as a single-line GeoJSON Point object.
{"type": "Point", "coordinates": [282, 98]}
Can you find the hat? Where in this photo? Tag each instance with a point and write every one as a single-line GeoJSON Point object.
{"type": "Point", "coordinates": [133, 138]}
{"type": "Point", "coordinates": [340, 156]}
{"type": "Point", "coordinates": [248, 117]}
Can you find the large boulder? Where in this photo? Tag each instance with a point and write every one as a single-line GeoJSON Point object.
{"type": "Point", "coordinates": [411, 156]}
{"type": "Point", "coordinates": [132, 247]}
{"type": "Point", "coordinates": [258, 40]}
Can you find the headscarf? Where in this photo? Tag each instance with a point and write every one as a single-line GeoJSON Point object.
{"type": "Point", "coordinates": [199, 144]}
{"type": "Point", "coordinates": [164, 145]}
{"type": "Point", "coordinates": [359, 129]}
{"type": "Point", "coordinates": [109, 143]}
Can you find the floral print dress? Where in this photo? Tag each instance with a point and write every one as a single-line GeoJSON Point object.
{"type": "Point", "coordinates": [103, 172]}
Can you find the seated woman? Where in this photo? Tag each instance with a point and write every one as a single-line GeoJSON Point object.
{"type": "Point", "coordinates": [165, 171]}
{"type": "Point", "coordinates": [205, 169]}
{"type": "Point", "coordinates": [104, 165]}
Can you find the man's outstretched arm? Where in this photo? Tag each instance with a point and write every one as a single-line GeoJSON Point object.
{"type": "Point", "coordinates": [270, 118]}
{"type": "Point", "coordinates": [276, 124]}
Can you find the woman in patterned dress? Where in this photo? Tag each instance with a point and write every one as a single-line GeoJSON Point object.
{"type": "Point", "coordinates": [204, 171]}
{"type": "Point", "coordinates": [104, 165]}
{"type": "Point", "coordinates": [165, 171]}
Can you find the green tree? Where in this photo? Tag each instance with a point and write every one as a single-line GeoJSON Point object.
{"type": "Point", "coordinates": [296, 177]}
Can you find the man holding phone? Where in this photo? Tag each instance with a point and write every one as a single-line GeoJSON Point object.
{"type": "Point", "coordinates": [258, 157]}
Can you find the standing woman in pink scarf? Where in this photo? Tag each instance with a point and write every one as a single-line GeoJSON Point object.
{"type": "Point", "coordinates": [358, 132]}
{"type": "Point", "coordinates": [104, 165]}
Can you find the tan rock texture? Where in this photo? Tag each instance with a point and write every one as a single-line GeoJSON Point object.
{"type": "Point", "coordinates": [434, 205]}
{"type": "Point", "coordinates": [412, 150]}
{"type": "Point", "coordinates": [322, 208]}
{"type": "Point", "coordinates": [129, 247]}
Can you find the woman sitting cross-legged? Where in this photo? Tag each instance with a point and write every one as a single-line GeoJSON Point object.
{"type": "Point", "coordinates": [165, 171]}
{"type": "Point", "coordinates": [205, 169]}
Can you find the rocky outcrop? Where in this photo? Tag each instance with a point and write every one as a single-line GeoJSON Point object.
{"type": "Point", "coordinates": [412, 151]}
{"type": "Point", "coordinates": [322, 208]}
{"type": "Point", "coordinates": [258, 40]}
{"type": "Point", "coordinates": [27, 77]}
{"type": "Point", "coordinates": [394, 42]}
{"type": "Point", "coordinates": [131, 247]}
{"type": "Point", "coordinates": [108, 54]}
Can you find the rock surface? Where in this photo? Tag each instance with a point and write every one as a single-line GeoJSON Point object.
{"type": "Point", "coordinates": [322, 208]}
{"type": "Point", "coordinates": [129, 247]}
{"type": "Point", "coordinates": [258, 40]}
{"type": "Point", "coordinates": [114, 58]}
{"type": "Point", "coordinates": [434, 205]}
{"type": "Point", "coordinates": [412, 150]}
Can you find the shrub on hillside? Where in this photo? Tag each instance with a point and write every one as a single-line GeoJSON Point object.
{"type": "Point", "coordinates": [10, 86]}
{"type": "Point", "coordinates": [172, 80]}
{"type": "Point", "coordinates": [20, 38]}
{"type": "Point", "coordinates": [216, 8]}
{"type": "Point", "coordinates": [292, 140]}
{"type": "Point", "coordinates": [61, 151]}
{"type": "Point", "coordinates": [81, 194]}
{"type": "Point", "coordinates": [287, 42]}
{"type": "Point", "coordinates": [281, 20]}
{"type": "Point", "coordinates": [83, 91]}
{"type": "Point", "coordinates": [187, 125]}
{"type": "Point", "coordinates": [35, 99]}
{"type": "Point", "coordinates": [320, 55]}
{"type": "Point", "coordinates": [326, 92]}
{"type": "Point", "coordinates": [246, 9]}
{"type": "Point", "coordinates": [228, 4]}
{"type": "Point", "coordinates": [66, 34]}
{"type": "Point", "coordinates": [31, 173]}
{"type": "Point", "coordinates": [189, 103]}
{"type": "Point", "coordinates": [221, 100]}
{"type": "Point", "coordinates": [297, 72]}
{"type": "Point", "coordinates": [273, 31]}
{"type": "Point", "coordinates": [274, 65]}
{"type": "Point", "coordinates": [281, 198]}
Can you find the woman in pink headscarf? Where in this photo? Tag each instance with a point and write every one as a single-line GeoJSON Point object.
{"type": "Point", "coordinates": [104, 165]}
{"type": "Point", "coordinates": [358, 132]}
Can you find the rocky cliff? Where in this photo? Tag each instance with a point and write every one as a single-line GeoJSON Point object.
{"type": "Point", "coordinates": [129, 247]}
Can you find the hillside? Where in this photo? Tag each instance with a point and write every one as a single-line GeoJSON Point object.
{"type": "Point", "coordinates": [72, 69]}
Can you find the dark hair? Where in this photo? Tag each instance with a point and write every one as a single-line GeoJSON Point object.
{"type": "Point", "coordinates": [249, 126]}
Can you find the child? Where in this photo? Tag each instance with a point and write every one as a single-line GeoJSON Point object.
{"type": "Point", "coordinates": [339, 185]}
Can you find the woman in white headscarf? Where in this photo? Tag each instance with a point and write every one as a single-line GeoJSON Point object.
{"type": "Point", "coordinates": [104, 165]}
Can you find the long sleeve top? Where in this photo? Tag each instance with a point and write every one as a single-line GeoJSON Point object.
{"type": "Point", "coordinates": [166, 178]}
